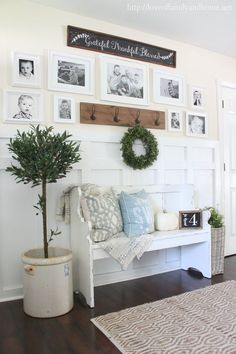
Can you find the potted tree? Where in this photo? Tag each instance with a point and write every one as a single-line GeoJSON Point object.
{"type": "Point", "coordinates": [217, 241]}
{"type": "Point", "coordinates": [43, 157]}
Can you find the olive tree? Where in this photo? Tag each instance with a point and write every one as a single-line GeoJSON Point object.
{"type": "Point", "coordinates": [42, 157]}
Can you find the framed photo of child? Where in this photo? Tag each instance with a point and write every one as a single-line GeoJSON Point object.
{"type": "Point", "coordinates": [197, 97]}
{"type": "Point", "coordinates": [64, 109]}
{"type": "Point", "coordinates": [26, 71]}
{"type": "Point", "coordinates": [175, 121]}
{"type": "Point", "coordinates": [168, 88]}
{"type": "Point", "coordinates": [70, 73]}
{"type": "Point", "coordinates": [22, 107]}
{"type": "Point", "coordinates": [196, 124]}
{"type": "Point", "coordinates": [123, 81]}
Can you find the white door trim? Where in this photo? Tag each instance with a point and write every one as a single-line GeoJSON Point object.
{"type": "Point", "coordinates": [221, 84]}
{"type": "Point", "coordinates": [223, 148]}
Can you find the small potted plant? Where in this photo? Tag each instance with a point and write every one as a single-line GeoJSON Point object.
{"type": "Point", "coordinates": [217, 241]}
{"type": "Point", "coordinates": [43, 157]}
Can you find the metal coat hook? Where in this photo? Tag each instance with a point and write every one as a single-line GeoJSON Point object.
{"type": "Point", "coordinates": [137, 120]}
{"type": "Point", "coordinates": [157, 120]}
{"type": "Point", "coordinates": [116, 115]}
{"type": "Point", "coordinates": [93, 117]}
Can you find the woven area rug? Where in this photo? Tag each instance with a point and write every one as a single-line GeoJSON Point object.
{"type": "Point", "coordinates": [202, 321]}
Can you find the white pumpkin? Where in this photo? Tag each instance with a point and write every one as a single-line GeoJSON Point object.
{"type": "Point", "coordinates": [165, 221]}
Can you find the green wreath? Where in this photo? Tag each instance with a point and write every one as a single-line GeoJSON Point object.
{"type": "Point", "coordinates": [149, 142]}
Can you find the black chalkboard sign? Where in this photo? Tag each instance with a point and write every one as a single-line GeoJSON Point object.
{"type": "Point", "coordinates": [190, 219]}
{"type": "Point", "coordinates": [123, 47]}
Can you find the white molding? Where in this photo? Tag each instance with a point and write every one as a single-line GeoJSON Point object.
{"type": "Point", "coordinates": [115, 137]}
{"type": "Point", "coordinates": [226, 84]}
{"type": "Point", "coordinates": [221, 152]}
{"type": "Point", "coordinates": [11, 298]}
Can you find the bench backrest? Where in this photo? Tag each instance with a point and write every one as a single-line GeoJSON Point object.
{"type": "Point", "coordinates": [168, 197]}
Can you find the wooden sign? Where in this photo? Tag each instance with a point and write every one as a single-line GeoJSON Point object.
{"type": "Point", "coordinates": [123, 47]}
{"type": "Point", "coordinates": [91, 113]}
{"type": "Point", "coordinates": [191, 219]}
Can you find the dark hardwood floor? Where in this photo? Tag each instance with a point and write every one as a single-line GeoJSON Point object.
{"type": "Point", "coordinates": [73, 333]}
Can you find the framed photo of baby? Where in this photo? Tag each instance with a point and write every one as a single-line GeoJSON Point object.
{"type": "Point", "coordinates": [123, 81]}
{"type": "Point", "coordinates": [70, 73]}
{"type": "Point", "coordinates": [22, 107]}
{"type": "Point", "coordinates": [196, 124]}
{"type": "Point", "coordinates": [26, 71]}
{"type": "Point", "coordinates": [168, 88]}
{"type": "Point", "coordinates": [197, 97]}
{"type": "Point", "coordinates": [64, 109]}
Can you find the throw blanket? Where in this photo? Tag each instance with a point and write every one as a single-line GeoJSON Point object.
{"type": "Point", "coordinates": [124, 249]}
{"type": "Point", "coordinates": [63, 205]}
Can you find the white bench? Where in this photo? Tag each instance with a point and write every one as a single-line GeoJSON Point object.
{"type": "Point", "coordinates": [195, 245]}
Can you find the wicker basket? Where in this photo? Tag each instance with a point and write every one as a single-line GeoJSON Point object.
{"type": "Point", "coordinates": [217, 250]}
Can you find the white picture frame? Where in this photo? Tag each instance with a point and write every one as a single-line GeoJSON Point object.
{"type": "Point", "coordinates": [197, 97]}
{"type": "Point", "coordinates": [196, 124]}
{"type": "Point", "coordinates": [22, 107]}
{"type": "Point", "coordinates": [168, 88]}
{"type": "Point", "coordinates": [26, 70]}
{"type": "Point", "coordinates": [64, 109]}
{"type": "Point", "coordinates": [70, 73]}
{"type": "Point", "coordinates": [123, 81]}
{"type": "Point", "coordinates": [175, 120]}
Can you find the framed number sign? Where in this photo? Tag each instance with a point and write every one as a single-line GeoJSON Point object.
{"type": "Point", "coordinates": [190, 219]}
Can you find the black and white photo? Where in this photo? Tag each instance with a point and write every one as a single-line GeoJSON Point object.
{"type": "Point", "coordinates": [22, 106]}
{"type": "Point", "coordinates": [175, 121]}
{"type": "Point", "coordinates": [196, 124]}
{"type": "Point", "coordinates": [64, 109]}
{"type": "Point", "coordinates": [26, 71]}
{"type": "Point", "coordinates": [168, 88]}
{"type": "Point", "coordinates": [124, 81]}
{"type": "Point", "coordinates": [197, 97]}
{"type": "Point", "coordinates": [70, 73]}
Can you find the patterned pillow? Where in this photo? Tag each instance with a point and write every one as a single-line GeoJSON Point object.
{"type": "Point", "coordinates": [137, 213]}
{"type": "Point", "coordinates": [104, 214]}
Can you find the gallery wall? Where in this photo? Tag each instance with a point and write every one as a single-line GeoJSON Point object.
{"type": "Point", "coordinates": [35, 30]}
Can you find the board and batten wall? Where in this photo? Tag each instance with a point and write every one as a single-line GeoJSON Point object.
{"type": "Point", "coordinates": [34, 29]}
{"type": "Point", "coordinates": [180, 161]}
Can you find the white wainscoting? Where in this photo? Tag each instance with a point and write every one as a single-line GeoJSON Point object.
{"type": "Point", "coordinates": [180, 161]}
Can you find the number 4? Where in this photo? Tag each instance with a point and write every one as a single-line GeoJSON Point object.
{"type": "Point", "coordinates": [193, 220]}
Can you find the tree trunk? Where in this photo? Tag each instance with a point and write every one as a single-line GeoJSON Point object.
{"type": "Point", "coordinates": [44, 212]}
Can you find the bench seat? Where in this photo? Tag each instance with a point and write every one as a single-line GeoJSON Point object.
{"type": "Point", "coordinates": [195, 247]}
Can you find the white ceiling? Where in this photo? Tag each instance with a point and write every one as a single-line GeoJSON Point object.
{"type": "Point", "coordinates": [209, 24]}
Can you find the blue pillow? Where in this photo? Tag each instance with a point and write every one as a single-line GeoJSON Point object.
{"type": "Point", "coordinates": [136, 213]}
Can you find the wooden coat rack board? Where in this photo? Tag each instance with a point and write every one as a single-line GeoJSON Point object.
{"type": "Point", "coordinates": [120, 116]}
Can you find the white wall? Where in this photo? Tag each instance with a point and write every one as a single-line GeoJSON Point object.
{"type": "Point", "coordinates": [35, 29]}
